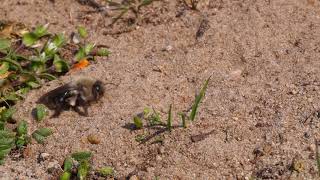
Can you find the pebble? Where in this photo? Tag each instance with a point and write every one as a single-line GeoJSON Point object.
{"type": "Point", "coordinates": [44, 156]}
{"type": "Point", "coordinates": [161, 150]}
{"type": "Point", "coordinates": [167, 48]}
{"type": "Point", "coordinates": [93, 139]}
{"type": "Point", "coordinates": [236, 74]}
{"type": "Point", "coordinates": [53, 167]}
{"type": "Point", "coordinates": [158, 158]}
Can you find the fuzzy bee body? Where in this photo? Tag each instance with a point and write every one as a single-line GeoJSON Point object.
{"type": "Point", "coordinates": [79, 93]}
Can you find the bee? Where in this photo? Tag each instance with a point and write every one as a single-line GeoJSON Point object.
{"type": "Point", "coordinates": [75, 94]}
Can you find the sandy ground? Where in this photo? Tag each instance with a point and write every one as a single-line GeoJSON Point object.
{"type": "Point", "coordinates": [262, 101]}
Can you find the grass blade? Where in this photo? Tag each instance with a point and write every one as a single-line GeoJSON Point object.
{"type": "Point", "coordinates": [198, 99]}
{"type": "Point", "coordinates": [183, 118]}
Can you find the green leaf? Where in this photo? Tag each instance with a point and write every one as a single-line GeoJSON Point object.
{"type": "Point", "coordinates": [40, 112]}
{"type": "Point", "coordinates": [22, 137]}
{"type": "Point", "coordinates": [23, 91]}
{"type": "Point", "coordinates": [67, 165]}
{"type": "Point", "coordinates": [81, 156]}
{"type": "Point", "coordinates": [146, 112]}
{"type": "Point", "coordinates": [88, 48]}
{"type": "Point", "coordinates": [37, 66]}
{"type": "Point", "coordinates": [155, 118]}
{"type": "Point", "coordinates": [22, 128]}
{"type": "Point", "coordinates": [48, 76]}
{"type": "Point", "coordinates": [65, 176]}
{"type": "Point", "coordinates": [169, 120]}
{"type": "Point", "coordinates": [45, 132]}
{"type": "Point", "coordinates": [7, 140]}
{"type": "Point", "coordinates": [60, 65]}
{"type": "Point", "coordinates": [82, 32]}
{"type": "Point", "coordinates": [33, 84]}
{"type": "Point", "coordinates": [4, 44]}
{"type": "Point", "coordinates": [29, 39]}
{"type": "Point", "coordinates": [41, 30]}
{"type": "Point", "coordinates": [103, 52]}
{"type": "Point", "coordinates": [138, 122]}
{"type": "Point", "coordinates": [58, 40]}
{"type": "Point", "coordinates": [41, 134]}
{"type": "Point", "coordinates": [83, 170]}
{"type": "Point", "coordinates": [7, 114]}
{"type": "Point", "coordinates": [4, 67]}
{"type": "Point", "coordinates": [198, 99]}
{"type": "Point", "coordinates": [40, 139]}
{"type": "Point", "coordinates": [80, 54]}
{"type": "Point", "coordinates": [106, 171]}
{"type": "Point", "coordinates": [22, 141]}
{"type": "Point", "coordinates": [14, 63]}
{"type": "Point", "coordinates": [11, 97]}
{"type": "Point", "coordinates": [2, 125]}
{"type": "Point", "coordinates": [52, 47]}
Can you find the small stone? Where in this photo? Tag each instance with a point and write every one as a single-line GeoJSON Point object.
{"type": "Point", "coordinates": [44, 156]}
{"type": "Point", "coordinates": [161, 150]}
{"type": "Point", "coordinates": [93, 139]}
{"type": "Point", "coordinates": [236, 74]}
{"type": "Point", "coordinates": [294, 92]}
{"type": "Point", "coordinates": [298, 166]}
{"type": "Point", "coordinates": [158, 158]}
{"type": "Point", "coordinates": [150, 169]}
{"type": "Point", "coordinates": [53, 167]}
{"type": "Point", "coordinates": [169, 48]}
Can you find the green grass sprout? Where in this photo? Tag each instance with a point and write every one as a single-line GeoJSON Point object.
{"type": "Point", "coordinates": [137, 122]}
{"type": "Point", "coordinates": [198, 99]}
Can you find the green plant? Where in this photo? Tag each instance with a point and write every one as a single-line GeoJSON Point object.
{"type": "Point", "coordinates": [41, 134]}
{"type": "Point", "coordinates": [198, 99]}
{"type": "Point", "coordinates": [7, 141]}
{"type": "Point", "coordinates": [40, 112]}
{"type": "Point", "coordinates": [83, 159]}
{"type": "Point", "coordinates": [153, 117]}
{"type": "Point", "coordinates": [22, 138]}
{"type": "Point", "coordinates": [106, 171]}
{"type": "Point", "coordinates": [82, 156]}
{"type": "Point", "coordinates": [124, 7]}
{"type": "Point", "coordinates": [83, 170]}
{"type": "Point", "coordinates": [138, 122]}
{"type": "Point", "coordinates": [35, 57]}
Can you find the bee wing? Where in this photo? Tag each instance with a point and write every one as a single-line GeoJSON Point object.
{"type": "Point", "coordinates": [51, 96]}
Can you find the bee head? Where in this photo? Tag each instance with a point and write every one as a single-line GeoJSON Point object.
{"type": "Point", "coordinates": [97, 90]}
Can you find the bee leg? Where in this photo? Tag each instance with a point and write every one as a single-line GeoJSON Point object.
{"type": "Point", "coordinates": [57, 113]}
{"type": "Point", "coordinates": [82, 113]}
{"type": "Point", "coordinates": [85, 108]}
